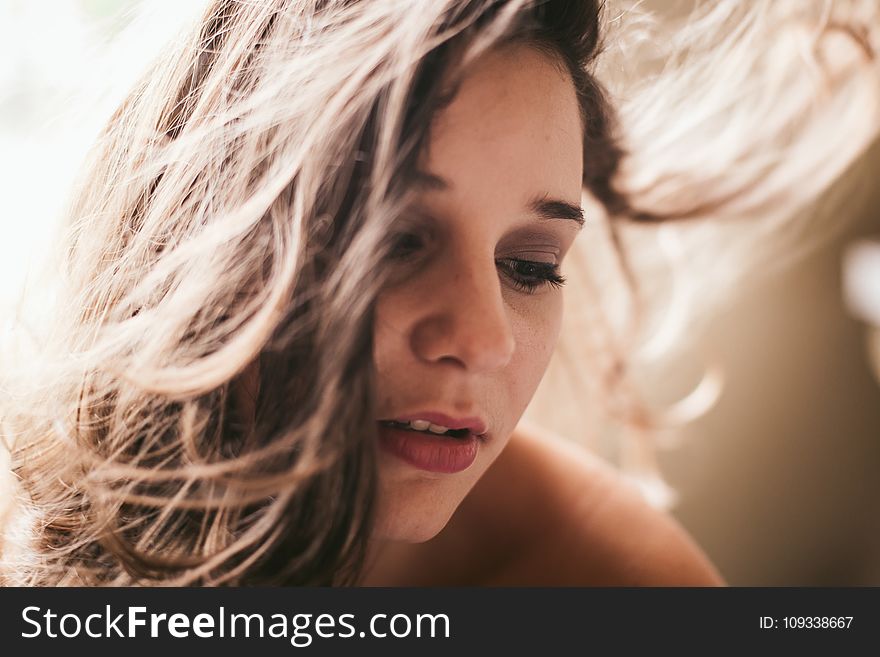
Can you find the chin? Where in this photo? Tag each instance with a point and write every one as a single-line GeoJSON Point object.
{"type": "Point", "coordinates": [411, 525]}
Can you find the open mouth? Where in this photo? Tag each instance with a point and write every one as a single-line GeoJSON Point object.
{"type": "Point", "coordinates": [422, 426]}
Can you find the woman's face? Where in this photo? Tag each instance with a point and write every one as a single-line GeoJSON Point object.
{"type": "Point", "coordinates": [467, 328]}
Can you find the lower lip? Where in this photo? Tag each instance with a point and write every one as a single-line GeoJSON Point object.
{"type": "Point", "coordinates": [433, 453]}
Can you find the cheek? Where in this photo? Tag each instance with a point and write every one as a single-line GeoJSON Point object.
{"type": "Point", "coordinates": [389, 325]}
{"type": "Point", "coordinates": [537, 323]}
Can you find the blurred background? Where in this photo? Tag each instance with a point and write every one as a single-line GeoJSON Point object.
{"type": "Point", "coordinates": [779, 482]}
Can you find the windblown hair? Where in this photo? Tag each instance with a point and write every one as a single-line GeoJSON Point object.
{"type": "Point", "coordinates": [737, 121]}
{"type": "Point", "coordinates": [238, 209]}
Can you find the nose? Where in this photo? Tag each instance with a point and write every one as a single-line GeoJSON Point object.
{"type": "Point", "coordinates": [466, 322]}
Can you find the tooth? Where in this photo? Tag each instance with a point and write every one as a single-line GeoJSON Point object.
{"type": "Point", "coordinates": [420, 425]}
{"type": "Point", "coordinates": [436, 428]}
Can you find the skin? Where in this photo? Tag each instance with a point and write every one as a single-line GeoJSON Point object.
{"type": "Point", "coordinates": [568, 520]}
{"type": "Point", "coordinates": [454, 333]}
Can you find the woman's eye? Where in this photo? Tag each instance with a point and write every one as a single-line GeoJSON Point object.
{"type": "Point", "coordinates": [406, 245]}
{"type": "Point", "coordinates": [525, 275]}
{"type": "Point", "coordinates": [529, 275]}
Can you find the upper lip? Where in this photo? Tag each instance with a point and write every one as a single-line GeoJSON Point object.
{"type": "Point", "coordinates": [474, 424]}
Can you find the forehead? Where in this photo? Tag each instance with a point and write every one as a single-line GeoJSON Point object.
{"type": "Point", "coordinates": [512, 131]}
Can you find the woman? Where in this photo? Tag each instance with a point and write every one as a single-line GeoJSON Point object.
{"type": "Point", "coordinates": [312, 279]}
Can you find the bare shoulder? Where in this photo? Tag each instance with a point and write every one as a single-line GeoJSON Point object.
{"type": "Point", "coordinates": [570, 519]}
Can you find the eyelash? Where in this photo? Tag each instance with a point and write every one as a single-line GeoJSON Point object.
{"type": "Point", "coordinates": [537, 274]}
{"type": "Point", "coordinates": [526, 275]}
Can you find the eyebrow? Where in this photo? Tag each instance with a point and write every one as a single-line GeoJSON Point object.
{"type": "Point", "coordinates": [543, 207]}
{"type": "Point", "coordinates": [550, 208]}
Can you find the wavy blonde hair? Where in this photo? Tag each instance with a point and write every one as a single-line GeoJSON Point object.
{"type": "Point", "coordinates": [238, 209]}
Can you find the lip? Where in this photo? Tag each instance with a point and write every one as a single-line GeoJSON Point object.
{"type": "Point", "coordinates": [432, 453]}
{"type": "Point", "coordinates": [474, 424]}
